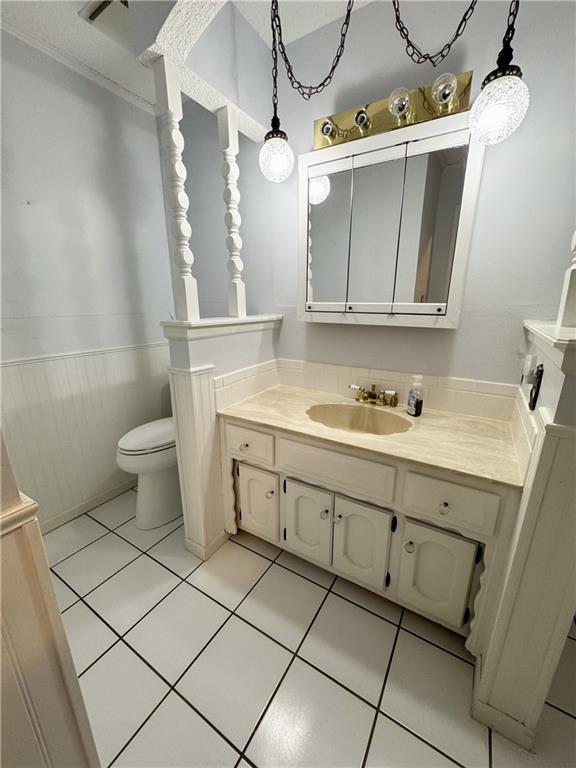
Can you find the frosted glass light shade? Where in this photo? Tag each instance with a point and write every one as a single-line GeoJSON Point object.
{"type": "Point", "coordinates": [318, 189]}
{"type": "Point", "coordinates": [499, 109]}
{"type": "Point", "coordinates": [276, 159]}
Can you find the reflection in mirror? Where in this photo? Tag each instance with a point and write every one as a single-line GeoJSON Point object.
{"type": "Point", "coordinates": [374, 237]}
{"type": "Point", "coordinates": [432, 200]}
{"type": "Point", "coordinates": [328, 237]}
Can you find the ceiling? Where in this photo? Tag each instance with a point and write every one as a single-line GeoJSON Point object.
{"type": "Point", "coordinates": [299, 17]}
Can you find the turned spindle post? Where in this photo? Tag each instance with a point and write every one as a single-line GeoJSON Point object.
{"type": "Point", "coordinates": [228, 138]}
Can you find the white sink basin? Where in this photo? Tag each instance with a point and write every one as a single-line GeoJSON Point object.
{"type": "Point", "coordinates": [359, 418]}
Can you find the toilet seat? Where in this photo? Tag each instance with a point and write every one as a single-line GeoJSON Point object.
{"type": "Point", "coordinates": [154, 437]}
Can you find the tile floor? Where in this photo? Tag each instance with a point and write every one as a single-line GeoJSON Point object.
{"type": "Point", "coordinates": [257, 658]}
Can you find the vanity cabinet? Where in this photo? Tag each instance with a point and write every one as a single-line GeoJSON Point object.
{"type": "Point", "coordinates": [361, 541]}
{"type": "Point", "coordinates": [308, 521]}
{"type": "Point", "coordinates": [436, 572]}
{"type": "Point", "coordinates": [258, 505]}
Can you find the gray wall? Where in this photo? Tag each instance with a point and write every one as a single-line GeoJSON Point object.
{"type": "Point", "coordinates": [525, 216]}
{"type": "Point", "coordinates": [84, 254]}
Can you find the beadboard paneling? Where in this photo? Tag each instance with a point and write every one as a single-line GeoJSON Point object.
{"type": "Point", "coordinates": [63, 416]}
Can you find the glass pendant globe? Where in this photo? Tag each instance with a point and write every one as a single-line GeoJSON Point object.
{"type": "Point", "coordinates": [499, 109]}
{"type": "Point", "coordinates": [276, 159]}
{"type": "Point", "coordinates": [318, 190]}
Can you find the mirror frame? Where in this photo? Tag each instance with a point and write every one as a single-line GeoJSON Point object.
{"type": "Point", "coordinates": [436, 135]}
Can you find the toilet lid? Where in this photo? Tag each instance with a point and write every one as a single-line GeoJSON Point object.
{"type": "Point", "coordinates": [154, 436]}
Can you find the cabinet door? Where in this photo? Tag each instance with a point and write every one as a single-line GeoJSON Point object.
{"type": "Point", "coordinates": [308, 521]}
{"type": "Point", "coordinates": [435, 572]}
{"type": "Point", "coordinates": [361, 539]}
{"type": "Point", "coordinates": [259, 509]}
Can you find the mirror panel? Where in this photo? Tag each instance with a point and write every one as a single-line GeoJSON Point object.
{"type": "Point", "coordinates": [376, 209]}
{"type": "Point", "coordinates": [433, 188]}
{"type": "Point", "coordinates": [328, 238]}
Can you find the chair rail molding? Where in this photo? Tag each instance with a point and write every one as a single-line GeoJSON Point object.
{"type": "Point", "coordinates": [176, 203]}
{"type": "Point", "coordinates": [228, 140]}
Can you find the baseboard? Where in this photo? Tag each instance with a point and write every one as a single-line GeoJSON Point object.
{"type": "Point", "coordinates": [503, 724]}
{"type": "Point", "coordinates": [205, 552]}
{"type": "Point", "coordinates": [86, 505]}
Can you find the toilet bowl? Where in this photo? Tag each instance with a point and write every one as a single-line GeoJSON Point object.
{"type": "Point", "coordinates": [149, 451]}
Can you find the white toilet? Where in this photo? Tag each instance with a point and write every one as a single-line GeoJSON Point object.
{"type": "Point", "coordinates": [149, 451]}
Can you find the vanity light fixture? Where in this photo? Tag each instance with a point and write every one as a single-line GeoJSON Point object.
{"type": "Point", "coordinates": [444, 89]}
{"type": "Point", "coordinates": [318, 189]}
{"type": "Point", "coordinates": [504, 98]}
{"type": "Point", "coordinates": [399, 103]}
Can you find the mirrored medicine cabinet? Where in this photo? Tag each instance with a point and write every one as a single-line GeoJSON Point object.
{"type": "Point", "coordinates": [385, 226]}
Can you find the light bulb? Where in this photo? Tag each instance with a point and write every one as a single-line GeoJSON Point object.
{"type": "Point", "coordinates": [444, 88]}
{"type": "Point", "coordinates": [276, 159]}
{"type": "Point", "coordinates": [318, 189]}
{"type": "Point", "coordinates": [399, 103]}
{"type": "Point", "coordinates": [499, 109]}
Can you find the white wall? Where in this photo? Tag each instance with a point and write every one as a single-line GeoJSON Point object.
{"type": "Point", "coordinates": [84, 254]}
{"type": "Point", "coordinates": [526, 209]}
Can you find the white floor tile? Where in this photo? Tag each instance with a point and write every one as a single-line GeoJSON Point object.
{"type": "Point", "coordinates": [71, 537]}
{"type": "Point", "coordinates": [367, 599]}
{"type": "Point", "coordinates": [229, 574]}
{"type": "Point", "coordinates": [175, 736]}
{"type": "Point", "coordinates": [437, 634]}
{"type": "Point", "coordinates": [306, 569]}
{"type": "Point", "coordinates": [119, 691]}
{"type": "Point", "coordinates": [351, 645]}
{"type": "Point", "coordinates": [64, 596]}
{"type": "Point", "coordinates": [176, 630]}
{"type": "Point", "coordinates": [394, 747]}
{"type": "Point", "coordinates": [311, 722]}
{"type": "Point", "coordinates": [260, 546]}
{"type": "Point", "coordinates": [116, 511]}
{"type": "Point", "coordinates": [563, 690]}
{"type": "Point", "coordinates": [232, 680]}
{"type": "Point", "coordinates": [554, 745]}
{"type": "Point", "coordinates": [430, 692]}
{"type": "Point", "coordinates": [96, 562]}
{"type": "Point", "coordinates": [172, 553]}
{"type": "Point", "coordinates": [88, 637]}
{"type": "Point", "coordinates": [146, 539]}
{"type": "Point", "coordinates": [126, 597]}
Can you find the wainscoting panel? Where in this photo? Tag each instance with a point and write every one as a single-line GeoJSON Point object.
{"type": "Point", "coordinates": [62, 417]}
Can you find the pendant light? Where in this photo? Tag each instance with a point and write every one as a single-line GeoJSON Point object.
{"type": "Point", "coordinates": [276, 158]}
{"type": "Point", "coordinates": [504, 98]}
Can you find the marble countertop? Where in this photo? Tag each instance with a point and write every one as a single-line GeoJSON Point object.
{"type": "Point", "coordinates": [470, 445]}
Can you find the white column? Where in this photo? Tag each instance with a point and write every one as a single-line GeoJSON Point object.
{"type": "Point", "coordinates": [169, 112]}
{"type": "Point", "coordinates": [228, 138]}
{"type": "Point", "coordinates": [567, 308]}
{"type": "Point", "coordinates": [194, 408]}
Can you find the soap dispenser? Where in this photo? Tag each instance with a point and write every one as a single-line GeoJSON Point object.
{"type": "Point", "coordinates": [415, 397]}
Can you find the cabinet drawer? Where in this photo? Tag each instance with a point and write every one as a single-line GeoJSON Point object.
{"type": "Point", "coordinates": [249, 444]}
{"type": "Point", "coordinates": [352, 476]}
{"type": "Point", "coordinates": [440, 500]}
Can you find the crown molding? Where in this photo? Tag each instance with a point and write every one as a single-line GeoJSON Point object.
{"type": "Point", "coordinates": [78, 67]}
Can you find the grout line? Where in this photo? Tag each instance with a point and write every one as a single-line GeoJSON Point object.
{"type": "Point", "coordinates": [53, 565]}
{"type": "Point", "coordinates": [139, 555]}
{"type": "Point", "coordinates": [563, 711]}
{"type": "Point", "coordinates": [420, 738]}
{"type": "Point", "coordinates": [104, 524]}
{"type": "Point", "coordinates": [124, 538]}
{"type": "Point", "coordinates": [137, 731]}
{"type": "Point", "coordinates": [371, 736]}
{"type": "Point", "coordinates": [440, 647]}
{"type": "Point", "coordinates": [490, 747]}
{"type": "Point", "coordinates": [290, 663]}
{"type": "Point", "coordinates": [338, 682]}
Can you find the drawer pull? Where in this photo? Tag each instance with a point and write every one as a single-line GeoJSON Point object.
{"type": "Point", "coordinates": [409, 547]}
{"type": "Point", "coordinates": [244, 446]}
{"type": "Point", "coordinates": [444, 508]}
{"type": "Point", "coordinates": [269, 494]}
{"type": "Point", "coordinates": [324, 514]}
{"type": "Point", "coordinates": [337, 519]}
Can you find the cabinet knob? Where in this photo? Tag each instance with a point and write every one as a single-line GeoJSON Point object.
{"type": "Point", "coordinates": [444, 508]}
{"type": "Point", "coordinates": [324, 514]}
{"type": "Point", "coordinates": [269, 494]}
{"type": "Point", "coordinates": [244, 446]}
{"type": "Point", "coordinates": [337, 519]}
{"type": "Point", "coordinates": [409, 547]}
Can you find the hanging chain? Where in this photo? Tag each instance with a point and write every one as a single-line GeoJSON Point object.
{"type": "Point", "coordinates": [306, 91]}
{"type": "Point", "coordinates": [505, 55]}
{"type": "Point", "coordinates": [415, 52]}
